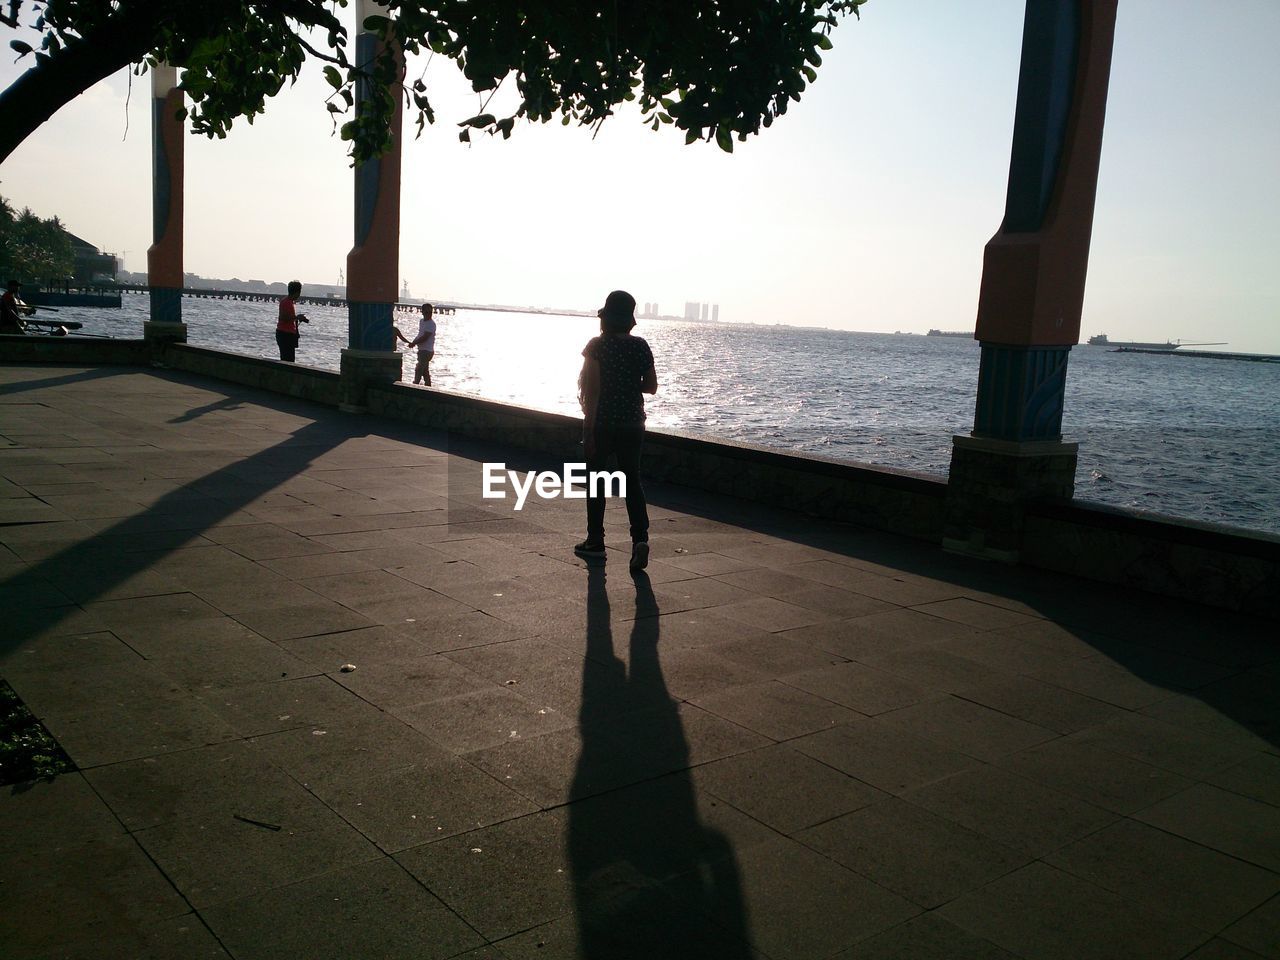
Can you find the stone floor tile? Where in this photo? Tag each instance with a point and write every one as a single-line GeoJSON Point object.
{"type": "Point", "coordinates": [1258, 777]}
{"type": "Point", "coordinates": [893, 763]}
{"type": "Point", "coordinates": [256, 709]}
{"type": "Point", "coordinates": [916, 854]}
{"type": "Point", "coordinates": [766, 613]}
{"type": "Point", "coordinates": [1259, 931]}
{"type": "Point", "coordinates": [1011, 810]}
{"type": "Point", "coordinates": [222, 780]}
{"type": "Point", "coordinates": [446, 634]}
{"type": "Point", "coordinates": [973, 613]}
{"type": "Point", "coordinates": [1105, 779]}
{"type": "Point", "coordinates": [1223, 720]}
{"type": "Point", "coordinates": [143, 728]}
{"type": "Point", "coordinates": [765, 582]}
{"type": "Point", "coordinates": [356, 588]}
{"type": "Point", "coordinates": [501, 879]}
{"type": "Point", "coordinates": [219, 857]}
{"type": "Point", "coordinates": [482, 718]}
{"type": "Point", "coordinates": [784, 789]}
{"type": "Point", "coordinates": [770, 654]}
{"type": "Point", "coordinates": [966, 727]}
{"type": "Point", "coordinates": [774, 709]}
{"type": "Point", "coordinates": [1044, 914]}
{"type": "Point", "coordinates": [244, 660]}
{"type": "Point", "coordinates": [795, 904]}
{"type": "Point", "coordinates": [52, 815]}
{"type": "Point", "coordinates": [102, 889]}
{"type": "Point", "coordinates": [907, 591]}
{"type": "Point", "coordinates": [1228, 822]}
{"type": "Point", "coordinates": [1100, 678]}
{"type": "Point", "coordinates": [368, 646]}
{"type": "Point", "coordinates": [1166, 874]}
{"type": "Point", "coordinates": [182, 938]}
{"type": "Point", "coordinates": [1225, 950]}
{"type": "Point", "coordinates": [396, 684]}
{"type": "Point", "coordinates": [399, 806]}
{"type": "Point", "coordinates": [370, 908]}
{"type": "Point", "coordinates": [935, 669]}
{"type": "Point", "coordinates": [613, 752]}
{"type": "Point", "coordinates": [926, 937]}
{"type": "Point", "coordinates": [302, 620]}
{"type": "Point", "coordinates": [1041, 703]}
{"type": "Point", "coordinates": [858, 638]}
{"type": "Point", "coordinates": [862, 688]}
{"type": "Point", "coordinates": [1164, 745]}
{"type": "Point", "coordinates": [832, 574]}
{"type": "Point", "coordinates": [707, 564]}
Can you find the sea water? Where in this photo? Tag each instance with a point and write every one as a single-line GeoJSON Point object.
{"type": "Point", "coordinates": [1182, 436]}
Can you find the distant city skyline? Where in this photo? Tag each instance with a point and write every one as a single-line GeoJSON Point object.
{"type": "Point", "coordinates": [865, 208]}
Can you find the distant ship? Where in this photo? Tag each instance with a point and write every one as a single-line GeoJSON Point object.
{"type": "Point", "coordinates": [950, 333]}
{"type": "Point", "coordinates": [1101, 341]}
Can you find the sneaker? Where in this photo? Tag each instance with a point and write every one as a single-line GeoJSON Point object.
{"type": "Point", "coordinates": [639, 556]}
{"type": "Point", "coordinates": [588, 549]}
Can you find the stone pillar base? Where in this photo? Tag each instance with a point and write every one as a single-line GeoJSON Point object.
{"type": "Point", "coordinates": [359, 369]}
{"type": "Point", "coordinates": [990, 483]}
{"type": "Point", "coordinates": [155, 331]}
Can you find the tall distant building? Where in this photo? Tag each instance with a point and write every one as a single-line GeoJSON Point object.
{"type": "Point", "coordinates": [690, 310]}
{"type": "Point", "coordinates": [655, 309]}
{"type": "Point", "coordinates": [706, 311]}
{"type": "Point", "coordinates": [715, 313]}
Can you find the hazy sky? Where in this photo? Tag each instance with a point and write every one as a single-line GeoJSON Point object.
{"type": "Point", "coordinates": [866, 207]}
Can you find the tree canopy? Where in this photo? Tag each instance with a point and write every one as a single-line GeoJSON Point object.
{"type": "Point", "coordinates": [32, 249]}
{"type": "Point", "coordinates": [715, 69]}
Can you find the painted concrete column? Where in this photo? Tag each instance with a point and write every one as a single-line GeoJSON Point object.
{"type": "Point", "coordinates": [373, 265]}
{"type": "Point", "coordinates": [1033, 281]}
{"type": "Point", "coordinates": [164, 256]}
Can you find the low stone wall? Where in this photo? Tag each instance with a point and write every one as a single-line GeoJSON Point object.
{"type": "Point", "coordinates": [1219, 566]}
{"type": "Point", "coordinates": [290, 379]}
{"type": "Point", "coordinates": [895, 501]}
{"type": "Point", "coordinates": [72, 349]}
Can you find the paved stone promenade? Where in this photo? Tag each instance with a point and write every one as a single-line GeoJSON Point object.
{"type": "Point", "coordinates": [789, 740]}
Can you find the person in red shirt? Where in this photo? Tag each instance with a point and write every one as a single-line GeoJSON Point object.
{"type": "Point", "coordinates": [287, 325]}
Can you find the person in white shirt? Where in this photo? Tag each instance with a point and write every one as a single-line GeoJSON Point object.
{"type": "Point", "coordinates": [425, 342]}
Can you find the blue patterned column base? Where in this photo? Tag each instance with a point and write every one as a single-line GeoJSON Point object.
{"type": "Point", "coordinates": [369, 326]}
{"type": "Point", "coordinates": [166, 305]}
{"type": "Point", "coordinates": [1020, 392]}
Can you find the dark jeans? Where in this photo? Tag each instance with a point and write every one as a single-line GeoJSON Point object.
{"type": "Point", "coordinates": [288, 343]}
{"type": "Point", "coordinates": [624, 443]}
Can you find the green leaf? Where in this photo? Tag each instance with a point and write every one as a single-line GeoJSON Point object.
{"type": "Point", "coordinates": [22, 48]}
{"type": "Point", "coordinates": [335, 79]}
{"type": "Point", "coordinates": [724, 138]}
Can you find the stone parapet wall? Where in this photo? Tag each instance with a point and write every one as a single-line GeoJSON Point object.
{"type": "Point", "coordinates": [277, 376]}
{"type": "Point", "coordinates": [72, 349]}
{"type": "Point", "coordinates": [895, 501]}
{"type": "Point", "coordinates": [1219, 566]}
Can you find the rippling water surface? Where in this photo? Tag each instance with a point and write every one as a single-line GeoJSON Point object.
{"type": "Point", "coordinates": [1187, 437]}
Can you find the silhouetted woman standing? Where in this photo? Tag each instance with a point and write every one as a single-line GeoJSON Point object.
{"type": "Point", "coordinates": [616, 372]}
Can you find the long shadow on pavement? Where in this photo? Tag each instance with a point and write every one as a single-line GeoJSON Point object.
{"type": "Point", "coordinates": [624, 845]}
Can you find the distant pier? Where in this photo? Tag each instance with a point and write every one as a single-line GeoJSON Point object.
{"type": "Point", "coordinates": [250, 296]}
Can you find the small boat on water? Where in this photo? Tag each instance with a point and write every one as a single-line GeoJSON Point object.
{"type": "Point", "coordinates": [950, 333]}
